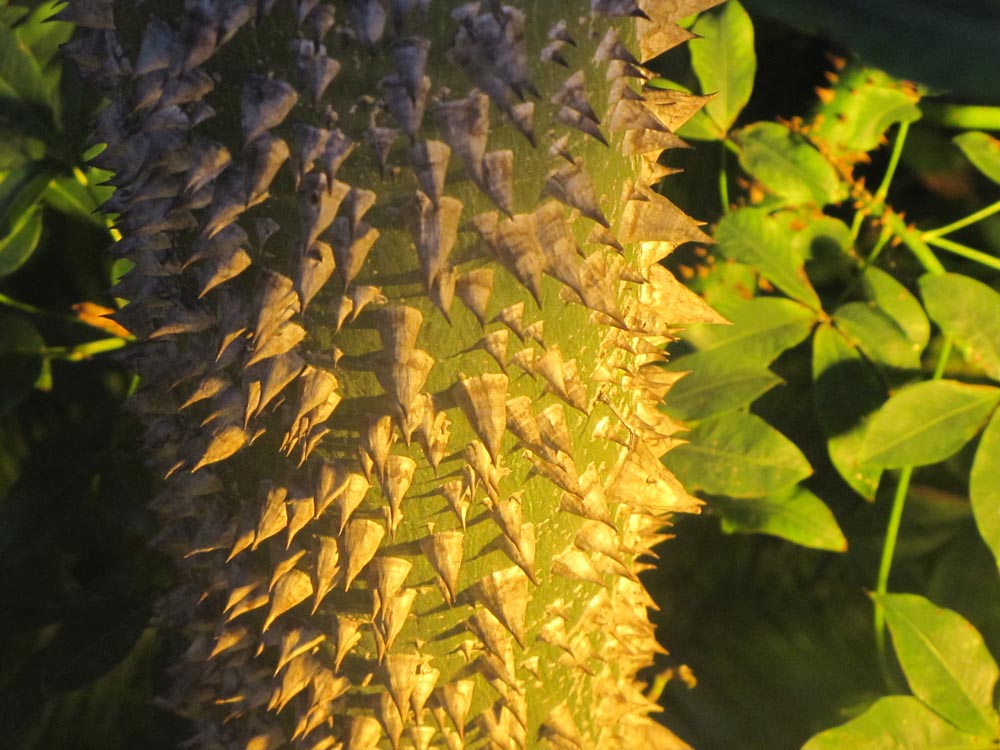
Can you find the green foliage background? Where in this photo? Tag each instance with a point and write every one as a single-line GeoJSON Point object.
{"type": "Point", "coordinates": [844, 428]}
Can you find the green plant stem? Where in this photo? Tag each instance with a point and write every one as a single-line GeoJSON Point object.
{"type": "Point", "coordinates": [875, 205]}
{"type": "Point", "coordinates": [889, 544]}
{"type": "Point", "coordinates": [943, 356]}
{"type": "Point", "coordinates": [85, 350]}
{"type": "Point", "coordinates": [25, 307]}
{"type": "Point", "coordinates": [32, 310]}
{"type": "Point", "coordinates": [890, 171]}
{"type": "Point", "coordinates": [970, 219]}
{"type": "Point", "coordinates": [965, 251]}
{"type": "Point", "coordinates": [859, 217]}
{"type": "Point", "coordinates": [884, 568]}
{"type": "Point", "coordinates": [724, 179]}
{"type": "Point", "coordinates": [913, 239]}
{"type": "Point", "coordinates": [962, 116]}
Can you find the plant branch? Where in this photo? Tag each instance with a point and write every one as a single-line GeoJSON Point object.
{"type": "Point", "coordinates": [970, 219]}
{"type": "Point", "coordinates": [890, 171]}
{"type": "Point", "coordinates": [962, 116]}
{"type": "Point", "coordinates": [913, 239]}
{"type": "Point", "coordinates": [965, 251]}
{"type": "Point", "coordinates": [85, 350]}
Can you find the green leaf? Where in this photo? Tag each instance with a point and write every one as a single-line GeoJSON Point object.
{"type": "Point", "coordinates": [876, 334]}
{"type": "Point", "coordinates": [68, 195]}
{"type": "Point", "coordinates": [22, 86]}
{"type": "Point", "coordinates": [897, 722]}
{"type": "Point", "coordinates": [716, 385]}
{"type": "Point", "coordinates": [787, 165]}
{"type": "Point", "coordinates": [763, 327]}
{"type": "Point", "coordinates": [898, 303]}
{"type": "Point", "coordinates": [926, 422]}
{"type": "Point", "coordinates": [17, 245]}
{"type": "Point", "coordinates": [724, 61]}
{"type": "Point", "coordinates": [945, 661]}
{"type": "Point", "coordinates": [795, 514]}
{"type": "Point", "coordinates": [846, 390]}
{"type": "Point", "coordinates": [21, 189]}
{"type": "Point", "coordinates": [751, 236]}
{"type": "Point", "coordinates": [737, 454]}
{"type": "Point", "coordinates": [969, 312]}
{"type": "Point", "coordinates": [21, 347]}
{"type": "Point", "coordinates": [984, 486]}
{"type": "Point", "coordinates": [822, 241]}
{"type": "Point", "coordinates": [861, 105]}
{"type": "Point", "coordinates": [983, 151]}
{"type": "Point", "coordinates": [42, 34]}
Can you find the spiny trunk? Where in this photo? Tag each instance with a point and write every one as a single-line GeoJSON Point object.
{"type": "Point", "coordinates": [401, 314]}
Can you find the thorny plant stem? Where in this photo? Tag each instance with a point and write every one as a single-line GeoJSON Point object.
{"type": "Point", "coordinates": [970, 219]}
{"type": "Point", "coordinates": [991, 261]}
{"type": "Point", "coordinates": [889, 545]}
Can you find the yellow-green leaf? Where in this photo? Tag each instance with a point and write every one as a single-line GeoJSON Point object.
{"type": "Point", "coordinates": [983, 151]}
{"type": "Point", "coordinates": [737, 454]}
{"type": "Point", "coordinates": [897, 722]}
{"type": "Point", "coordinates": [847, 390]}
{"type": "Point", "coordinates": [984, 486]}
{"type": "Point", "coordinates": [795, 514]}
{"type": "Point", "coordinates": [751, 236]}
{"type": "Point", "coordinates": [897, 302]}
{"type": "Point", "coordinates": [724, 61]}
{"type": "Point", "coordinates": [787, 165]}
{"type": "Point", "coordinates": [946, 663]}
{"type": "Point", "coordinates": [969, 312]}
{"type": "Point", "coordinates": [926, 422]}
